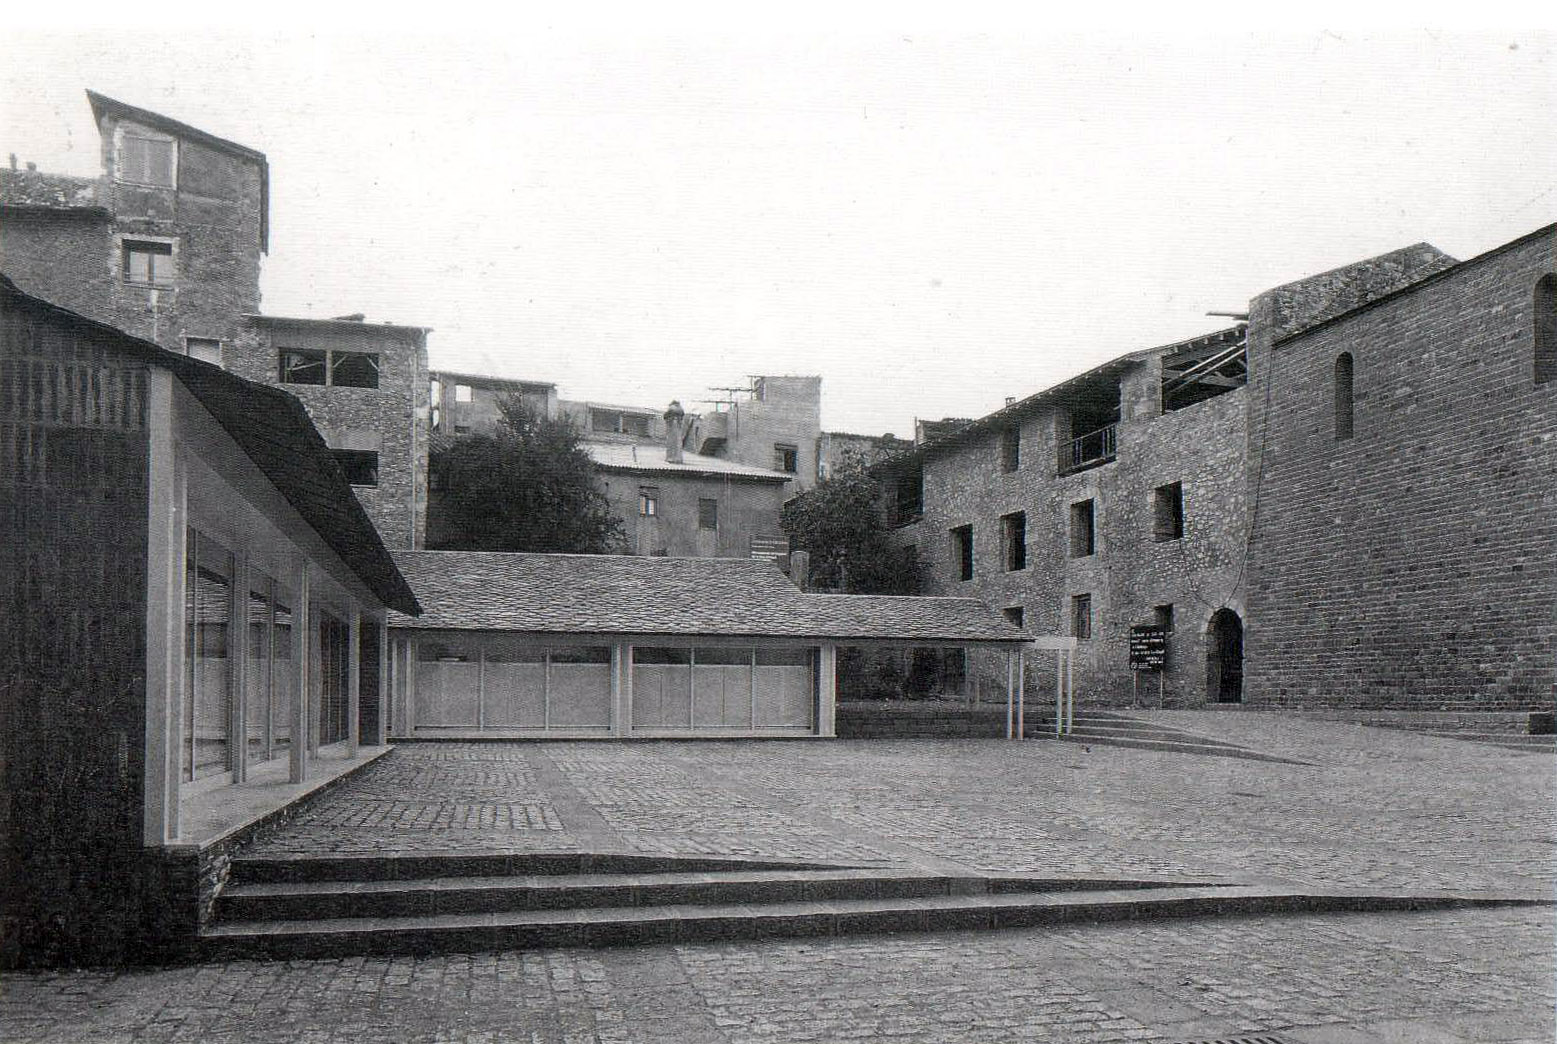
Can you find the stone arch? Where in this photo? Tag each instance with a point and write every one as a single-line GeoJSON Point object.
{"type": "Point", "coordinates": [1224, 657]}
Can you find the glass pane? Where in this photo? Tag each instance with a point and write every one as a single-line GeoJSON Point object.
{"type": "Point", "coordinates": [721, 688]}
{"type": "Point", "coordinates": [785, 681]}
{"type": "Point", "coordinates": [257, 672]}
{"type": "Point", "coordinates": [579, 686]}
{"type": "Point", "coordinates": [212, 677]}
{"type": "Point", "coordinates": [283, 675]}
{"type": "Point", "coordinates": [662, 687]}
{"type": "Point", "coordinates": [514, 688]}
{"type": "Point", "coordinates": [448, 674]}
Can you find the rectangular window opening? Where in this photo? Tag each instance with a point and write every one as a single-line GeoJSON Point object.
{"type": "Point", "coordinates": [648, 502]}
{"type": "Point", "coordinates": [302, 366]}
{"type": "Point", "coordinates": [707, 513]}
{"type": "Point", "coordinates": [1013, 531]}
{"type": "Point", "coordinates": [962, 551]}
{"type": "Point", "coordinates": [354, 369]}
{"type": "Point", "coordinates": [1081, 616]}
{"type": "Point", "coordinates": [1011, 448]}
{"type": "Point", "coordinates": [1168, 512]}
{"type": "Point", "coordinates": [1013, 613]}
{"type": "Point", "coordinates": [206, 349]}
{"type": "Point", "coordinates": [786, 458]}
{"type": "Point", "coordinates": [361, 466]}
{"type": "Point", "coordinates": [1162, 616]}
{"type": "Point", "coordinates": [146, 161]}
{"type": "Point", "coordinates": [1083, 535]}
{"type": "Point", "coordinates": [148, 262]}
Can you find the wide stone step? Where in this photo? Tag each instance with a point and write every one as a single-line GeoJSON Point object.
{"type": "Point", "coordinates": [1187, 745]}
{"type": "Point", "coordinates": [614, 926]}
{"type": "Point", "coordinates": [303, 900]}
{"type": "Point", "coordinates": [260, 869]}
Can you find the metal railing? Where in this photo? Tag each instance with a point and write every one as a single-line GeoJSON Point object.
{"type": "Point", "coordinates": [1092, 447]}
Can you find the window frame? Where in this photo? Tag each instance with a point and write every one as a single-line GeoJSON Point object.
{"type": "Point", "coordinates": [962, 551]}
{"type": "Point", "coordinates": [786, 458]}
{"type": "Point", "coordinates": [338, 355]}
{"type": "Point", "coordinates": [1168, 512]}
{"type": "Point", "coordinates": [1345, 396]}
{"type": "Point", "coordinates": [151, 247]}
{"type": "Point", "coordinates": [648, 502]}
{"type": "Point", "coordinates": [1013, 540]}
{"type": "Point", "coordinates": [349, 459]}
{"type": "Point", "coordinates": [121, 165]}
{"type": "Point", "coordinates": [1081, 617]}
{"type": "Point", "coordinates": [323, 362]}
{"type": "Point", "coordinates": [1087, 509]}
{"type": "Point", "coordinates": [1011, 448]}
{"type": "Point", "coordinates": [708, 514]}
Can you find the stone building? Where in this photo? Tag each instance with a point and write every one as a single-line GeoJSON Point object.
{"type": "Point", "coordinates": [1404, 454]}
{"type": "Point", "coordinates": [466, 403]}
{"type": "Point", "coordinates": [167, 244]}
{"type": "Point", "coordinates": [1406, 563]}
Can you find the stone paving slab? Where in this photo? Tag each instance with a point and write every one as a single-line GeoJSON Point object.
{"type": "Point", "coordinates": [1452, 977]}
{"type": "Point", "coordinates": [1376, 808]}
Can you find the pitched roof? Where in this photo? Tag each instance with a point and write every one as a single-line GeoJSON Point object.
{"type": "Point", "coordinates": [680, 597]}
{"type": "Point", "coordinates": [274, 430]}
{"type": "Point", "coordinates": [644, 457]}
{"type": "Point", "coordinates": [37, 191]}
{"type": "Point", "coordinates": [102, 105]}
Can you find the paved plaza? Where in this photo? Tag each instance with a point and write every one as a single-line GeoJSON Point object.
{"type": "Point", "coordinates": [1362, 808]}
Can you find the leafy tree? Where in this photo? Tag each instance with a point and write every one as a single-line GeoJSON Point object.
{"type": "Point", "coordinates": [839, 523]}
{"type": "Point", "coordinates": [529, 487]}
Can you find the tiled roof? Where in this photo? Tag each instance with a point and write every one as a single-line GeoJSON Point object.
{"type": "Point", "coordinates": [35, 190]}
{"type": "Point", "coordinates": [687, 597]}
{"type": "Point", "coordinates": [274, 430]}
{"type": "Point", "coordinates": [643, 456]}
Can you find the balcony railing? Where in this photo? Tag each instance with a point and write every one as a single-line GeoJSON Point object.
{"type": "Point", "coordinates": [1096, 447]}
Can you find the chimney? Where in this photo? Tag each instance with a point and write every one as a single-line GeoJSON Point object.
{"type": "Point", "coordinates": [13, 161]}
{"type": "Point", "coordinates": [675, 419]}
{"type": "Point", "coordinates": [32, 166]}
{"type": "Point", "coordinates": [800, 569]}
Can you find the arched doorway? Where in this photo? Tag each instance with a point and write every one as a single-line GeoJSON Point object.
{"type": "Point", "coordinates": [1224, 658]}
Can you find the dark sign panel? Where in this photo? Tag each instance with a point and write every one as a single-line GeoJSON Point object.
{"type": "Point", "coordinates": [1148, 648]}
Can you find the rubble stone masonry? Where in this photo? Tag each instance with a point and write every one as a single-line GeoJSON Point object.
{"type": "Point", "coordinates": [1413, 564]}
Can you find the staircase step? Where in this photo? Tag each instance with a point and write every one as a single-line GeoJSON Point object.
{"type": "Point", "coordinates": [442, 933]}
{"type": "Point", "coordinates": [1189, 745]}
{"type": "Point", "coordinates": [262, 869]}
{"type": "Point", "coordinates": [284, 901]}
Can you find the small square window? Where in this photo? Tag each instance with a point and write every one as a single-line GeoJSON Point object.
{"type": "Point", "coordinates": [206, 349]}
{"type": "Point", "coordinates": [786, 458]}
{"type": "Point", "coordinates": [462, 393]}
{"type": "Point", "coordinates": [1083, 534]}
{"type": "Point", "coordinates": [648, 502]}
{"type": "Point", "coordinates": [1013, 532]}
{"type": "Point", "coordinates": [1011, 448]}
{"type": "Point", "coordinates": [707, 513]}
{"type": "Point", "coordinates": [1162, 616]}
{"type": "Point", "coordinates": [635, 424]}
{"type": "Point", "coordinates": [148, 262]}
{"type": "Point", "coordinates": [1081, 616]}
{"type": "Point", "coordinates": [302, 366]}
{"type": "Point", "coordinates": [962, 551]}
{"type": "Point", "coordinates": [361, 466]}
{"type": "Point", "coordinates": [1013, 613]}
{"type": "Point", "coordinates": [1168, 512]}
{"type": "Point", "coordinates": [354, 369]}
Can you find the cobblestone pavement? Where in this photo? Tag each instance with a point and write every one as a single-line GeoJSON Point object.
{"type": "Point", "coordinates": [1372, 808]}
{"type": "Point", "coordinates": [1452, 977]}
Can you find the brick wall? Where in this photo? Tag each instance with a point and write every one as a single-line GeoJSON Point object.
{"type": "Point", "coordinates": [1414, 564]}
{"type": "Point", "coordinates": [73, 473]}
{"type": "Point", "coordinates": [1130, 572]}
{"type": "Point", "coordinates": [390, 419]}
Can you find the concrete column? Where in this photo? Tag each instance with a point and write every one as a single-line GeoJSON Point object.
{"type": "Point", "coordinates": [238, 667]}
{"type": "Point", "coordinates": [408, 720]}
{"type": "Point", "coordinates": [353, 680]}
{"type": "Point", "coordinates": [302, 623]}
{"type": "Point", "coordinates": [382, 738]}
{"type": "Point", "coordinates": [827, 691]}
{"type": "Point", "coordinates": [165, 539]}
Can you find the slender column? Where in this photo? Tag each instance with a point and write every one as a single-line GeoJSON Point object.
{"type": "Point", "coordinates": [827, 691]}
{"type": "Point", "coordinates": [238, 667]}
{"type": "Point", "coordinates": [382, 737]}
{"type": "Point", "coordinates": [408, 721]}
{"type": "Point", "coordinates": [164, 616]}
{"type": "Point", "coordinates": [1010, 694]}
{"type": "Point", "coordinates": [621, 689]}
{"type": "Point", "coordinates": [353, 681]}
{"type": "Point", "coordinates": [1059, 692]}
{"type": "Point", "coordinates": [302, 623]}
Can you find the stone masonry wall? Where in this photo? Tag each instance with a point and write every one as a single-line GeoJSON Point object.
{"type": "Point", "coordinates": [1414, 564]}
{"type": "Point", "coordinates": [391, 419]}
{"type": "Point", "coordinates": [1130, 572]}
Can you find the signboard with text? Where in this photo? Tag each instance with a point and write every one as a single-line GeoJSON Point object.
{"type": "Point", "coordinates": [1148, 648]}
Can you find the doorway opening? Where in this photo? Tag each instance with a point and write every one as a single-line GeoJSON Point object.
{"type": "Point", "coordinates": [1224, 658]}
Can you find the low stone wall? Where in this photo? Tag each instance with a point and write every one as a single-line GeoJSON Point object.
{"type": "Point", "coordinates": [919, 719]}
{"type": "Point", "coordinates": [1432, 721]}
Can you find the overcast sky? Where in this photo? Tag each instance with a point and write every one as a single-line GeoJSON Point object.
{"type": "Point", "coordinates": [931, 221]}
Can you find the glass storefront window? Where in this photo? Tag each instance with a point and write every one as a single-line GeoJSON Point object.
{"type": "Point", "coordinates": [207, 671]}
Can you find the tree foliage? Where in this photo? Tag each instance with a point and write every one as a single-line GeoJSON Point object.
{"type": "Point", "coordinates": [839, 523]}
{"type": "Point", "coordinates": [529, 487]}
